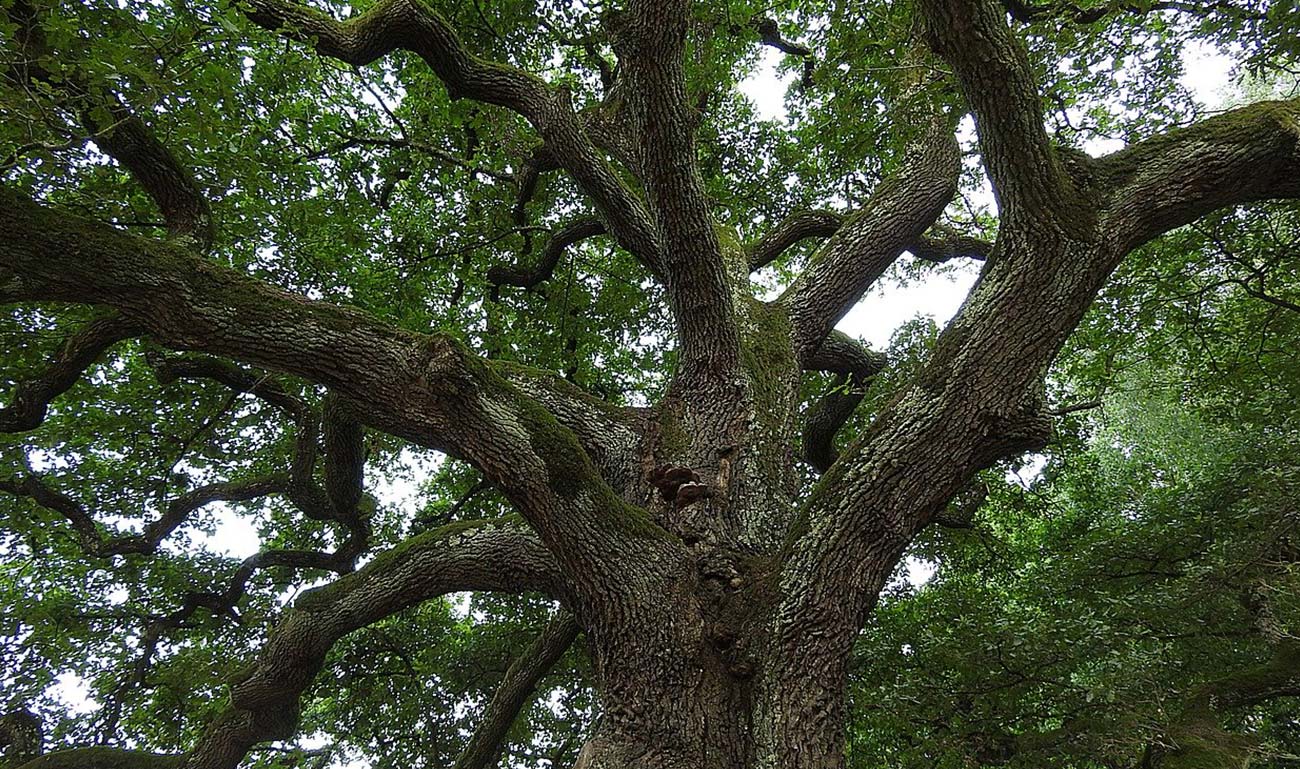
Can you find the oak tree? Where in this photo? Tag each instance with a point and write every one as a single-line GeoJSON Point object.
{"type": "Point", "coordinates": [256, 256]}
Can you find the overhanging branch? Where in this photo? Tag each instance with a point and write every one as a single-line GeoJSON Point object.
{"type": "Point", "coordinates": [264, 699]}
{"type": "Point", "coordinates": [796, 227]}
{"type": "Point", "coordinates": [427, 389]}
{"type": "Point", "coordinates": [1154, 186]}
{"type": "Point", "coordinates": [125, 137]}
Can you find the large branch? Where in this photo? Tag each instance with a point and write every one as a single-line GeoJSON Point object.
{"type": "Point", "coordinates": [499, 555]}
{"type": "Point", "coordinates": [860, 251]}
{"type": "Point", "coordinates": [425, 388]}
{"type": "Point", "coordinates": [411, 25]}
{"type": "Point", "coordinates": [496, 555]}
{"type": "Point", "coordinates": [980, 396]}
{"type": "Point", "coordinates": [998, 84]}
{"type": "Point", "coordinates": [1154, 186]}
{"type": "Point", "coordinates": [611, 435]}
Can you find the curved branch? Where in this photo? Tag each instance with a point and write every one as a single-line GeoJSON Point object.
{"type": "Point", "coordinates": [561, 239]}
{"type": "Point", "coordinates": [794, 228]}
{"type": "Point", "coordinates": [498, 554]}
{"type": "Point", "coordinates": [516, 689]}
{"type": "Point", "coordinates": [860, 251]}
{"type": "Point", "coordinates": [1154, 186]}
{"type": "Point", "coordinates": [410, 25]}
{"type": "Point", "coordinates": [853, 365]}
{"type": "Point", "coordinates": [34, 487]}
{"type": "Point", "coordinates": [32, 397]}
{"type": "Point", "coordinates": [427, 389]}
{"type": "Point", "coordinates": [168, 369]}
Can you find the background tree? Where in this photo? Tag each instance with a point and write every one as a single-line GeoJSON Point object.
{"type": "Point", "coordinates": [261, 258]}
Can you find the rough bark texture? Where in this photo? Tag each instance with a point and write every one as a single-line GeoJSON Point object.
{"type": "Point", "coordinates": [719, 612]}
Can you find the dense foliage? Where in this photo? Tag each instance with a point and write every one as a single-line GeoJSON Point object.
{"type": "Point", "coordinates": [1087, 599]}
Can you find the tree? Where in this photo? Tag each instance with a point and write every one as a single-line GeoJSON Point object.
{"type": "Point", "coordinates": [311, 299]}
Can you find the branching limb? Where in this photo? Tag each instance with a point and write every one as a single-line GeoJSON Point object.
{"type": "Point", "coordinates": [486, 555]}
{"type": "Point", "coordinates": [860, 251]}
{"type": "Point", "coordinates": [515, 691]}
{"type": "Point", "coordinates": [32, 397]}
{"type": "Point", "coordinates": [427, 389]}
{"type": "Point", "coordinates": [169, 368]}
{"type": "Point", "coordinates": [393, 25]}
{"type": "Point", "coordinates": [1248, 154]}
{"type": "Point", "coordinates": [33, 486]}
{"type": "Point", "coordinates": [340, 499]}
{"type": "Point", "coordinates": [561, 239]}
